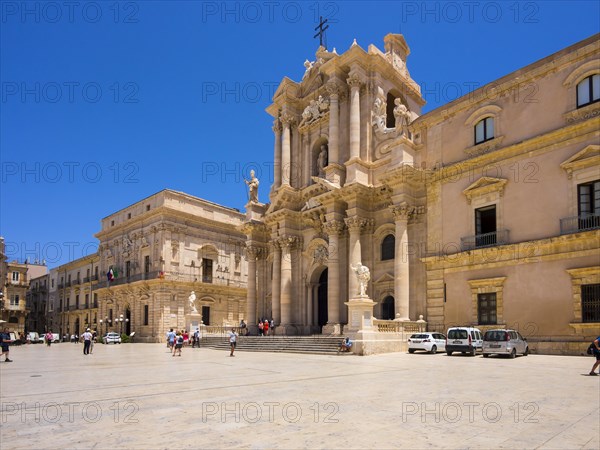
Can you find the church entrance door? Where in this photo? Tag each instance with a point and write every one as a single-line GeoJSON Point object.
{"type": "Point", "coordinates": [322, 298]}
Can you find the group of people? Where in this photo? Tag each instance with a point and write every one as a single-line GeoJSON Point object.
{"type": "Point", "coordinates": [264, 325]}
{"type": "Point", "coordinates": [176, 340]}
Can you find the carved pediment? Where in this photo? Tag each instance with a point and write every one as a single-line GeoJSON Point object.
{"type": "Point", "coordinates": [385, 278]}
{"type": "Point", "coordinates": [588, 157]}
{"type": "Point", "coordinates": [483, 186]}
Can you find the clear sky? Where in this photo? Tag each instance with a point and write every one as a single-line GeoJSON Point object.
{"type": "Point", "coordinates": [105, 103]}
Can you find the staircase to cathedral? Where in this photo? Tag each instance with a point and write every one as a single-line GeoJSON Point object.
{"type": "Point", "coordinates": [320, 345]}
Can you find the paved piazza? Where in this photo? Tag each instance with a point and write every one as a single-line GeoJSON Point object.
{"type": "Point", "coordinates": [138, 396]}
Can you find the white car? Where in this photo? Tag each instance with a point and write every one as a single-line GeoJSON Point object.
{"type": "Point", "coordinates": [113, 338]}
{"type": "Point", "coordinates": [429, 342]}
{"type": "Point", "coordinates": [504, 342]}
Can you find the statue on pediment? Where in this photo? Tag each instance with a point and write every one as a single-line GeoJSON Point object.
{"type": "Point", "coordinates": [314, 111]}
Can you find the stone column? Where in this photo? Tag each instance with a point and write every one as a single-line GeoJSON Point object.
{"type": "Point", "coordinates": [310, 287]}
{"type": "Point", "coordinates": [355, 225]}
{"type": "Point", "coordinates": [334, 229]}
{"type": "Point", "coordinates": [276, 284]}
{"type": "Point", "coordinates": [334, 123]}
{"type": "Point", "coordinates": [251, 253]}
{"type": "Point", "coordinates": [277, 157]}
{"type": "Point", "coordinates": [354, 82]}
{"type": "Point", "coordinates": [402, 214]}
{"type": "Point", "coordinates": [287, 244]}
{"type": "Point", "coordinates": [286, 150]}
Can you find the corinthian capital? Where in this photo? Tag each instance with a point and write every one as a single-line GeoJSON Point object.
{"type": "Point", "coordinates": [354, 80]}
{"type": "Point", "coordinates": [277, 126]}
{"type": "Point", "coordinates": [332, 89]}
{"type": "Point", "coordinates": [287, 119]}
{"type": "Point", "coordinates": [289, 242]}
{"type": "Point", "coordinates": [334, 227]}
{"type": "Point", "coordinates": [403, 211]}
{"type": "Point", "coordinates": [356, 223]}
{"type": "Point", "coordinates": [253, 252]}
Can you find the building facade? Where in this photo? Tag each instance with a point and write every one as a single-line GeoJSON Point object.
{"type": "Point", "coordinates": [154, 253]}
{"type": "Point", "coordinates": [484, 212]}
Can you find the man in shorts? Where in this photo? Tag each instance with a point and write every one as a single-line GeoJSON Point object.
{"type": "Point", "coordinates": [5, 340]}
{"type": "Point", "coordinates": [232, 340]}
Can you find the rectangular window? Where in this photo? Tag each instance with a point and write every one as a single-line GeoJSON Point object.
{"type": "Point", "coordinates": [147, 264]}
{"type": "Point", "coordinates": [95, 300]}
{"type": "Point", "coordinates": [87, 301]}
{"type": "Point", "coordinates": [52, 282]}
{"type": "Point", "coordinates": [15, 276]}
{"type": "Point", "coordinates": [206, 315]}
{"type": "Point", "coordinates": [588, 90]}
{"type": "Point", "coordinates": [486, 309]}
{"type": "Point", "coordinates": [14, 300]}
{"type": "Point", "coordinates": [146, 315]}
{"type": "Point", "coordinates": [207, 271]}
{"type": "Point", "coordinates": [588, 205]}
{"type": "Point", "coordinates": [484, 130]}
{"type": "Point", "coordinates": [87, 273]}
{"type": "Point", "coordinates": [485, 226]}
{"type": "Point", "coordinates": [96, 273]}
{"type": "Point", "coordinates": [77, 301]}
{"type": "Point", "coordinates": [127, 269]}
{"type": "Point", "coordinates": [590, 303]}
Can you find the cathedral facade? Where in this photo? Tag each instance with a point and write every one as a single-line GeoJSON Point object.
{"type": "Point", "coordinates": [485, 211]}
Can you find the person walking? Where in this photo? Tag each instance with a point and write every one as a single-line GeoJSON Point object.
{"type": "Point", "coordinates": [178, 343]}
{"type": "Point", "coordinates": [260, 328]}
{"type": "Point", "coordinates": [596, 353]}
{"type": "Point", "coordinates": [232, 340]}
{"type": "Point", "coordinates": [5, 340]}
{"type": "Point", "coordinates": [87, 341]}
{"type": "Point", "coordinates": [266, 328]}
{"type": "Point", "coordinates": [171, 339]}
{"type": "Point", "coordinates": [49, 338]}
{"type": "Point", "coordinates": [94, 338]}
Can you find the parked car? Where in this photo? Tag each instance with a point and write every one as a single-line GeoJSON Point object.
{"type": "Point", "coordinates": [34, 337]}
{"type": "Point", "coordinates": [504, 342]}
{"type": "Point", "coordinates": [112, 337]}
{"type": "Point", "coordinates": [464, 340]}
{"type": "Point", "coordinates": [430, 342]}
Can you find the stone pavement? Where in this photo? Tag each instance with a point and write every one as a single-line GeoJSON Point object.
{"type": "Point", "coordinates": [138, 396]}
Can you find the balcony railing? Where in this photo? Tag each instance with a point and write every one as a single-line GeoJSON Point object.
{"type": "Point", "coordinates": [498, 237]}
{"type": "Point", "coordinates": [170, 276]}
{"type": "Point", "coordinates": [584, 222]}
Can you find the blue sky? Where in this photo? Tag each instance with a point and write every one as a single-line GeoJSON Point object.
{"type": "Point", "coordinates": [105, 103]}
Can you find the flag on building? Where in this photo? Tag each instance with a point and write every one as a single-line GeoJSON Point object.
{"type": "Point", "coordinates": [111, 274]}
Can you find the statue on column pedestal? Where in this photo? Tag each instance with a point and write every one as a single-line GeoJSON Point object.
{"type": "Point", "coordinates": [192, 300]}
{"type": "Point", "coordinates": [252, 187]}
{"type": "Point", "coordinates": [363, 275]}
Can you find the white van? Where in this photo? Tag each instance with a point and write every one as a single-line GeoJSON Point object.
{"type": "Point", "coordinates": [34, 337]}
{"type": "Point", "coordinates": [464, 340]}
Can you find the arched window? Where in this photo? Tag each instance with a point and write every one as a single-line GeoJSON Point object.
{"type": "Point", "coordinates": [588, 90]}
{"type": "Point", "coordinates": [387, 308]}
{"type": "Point", "coordinates": [484, 130]}
{"type": "Point", "coordinates": [388, 247]}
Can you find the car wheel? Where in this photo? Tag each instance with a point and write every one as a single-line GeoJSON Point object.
{"type": "Point", "coordinates": [473, 351]}
{"type": "Point", "coordinates": [411, 350]}
{"type": "Point", "coordinates": [434, 350]}
{"type": "Point", "coordinates": [526, 351]}
{"type": "Point", "coordinates": [448, 353]}
{"type": "Point", "coordinates": [485, 355]}
{"type": "Point", "coordinates": [513, 354]}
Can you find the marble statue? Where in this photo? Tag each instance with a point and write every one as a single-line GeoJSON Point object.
{"type": "Point", "coordinates": [322, 161]}
{"type": "Point", "coordinates": [192, 300]}
{"type": "Point", "coordinates": [363, 275]}
{"type": "Point", "coordinates": [252, 187]}
{"type": "Point", "coordinates": [402, 115]}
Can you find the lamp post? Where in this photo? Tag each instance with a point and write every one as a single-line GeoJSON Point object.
{"type": "Point", "coordinates": [121, 323]}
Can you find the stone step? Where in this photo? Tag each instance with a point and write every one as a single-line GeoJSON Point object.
{"type": "Point", "coordinates": [282, 344]}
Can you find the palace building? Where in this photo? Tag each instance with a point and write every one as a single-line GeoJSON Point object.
{"type": "Point", "coordinates": [483, 212]}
